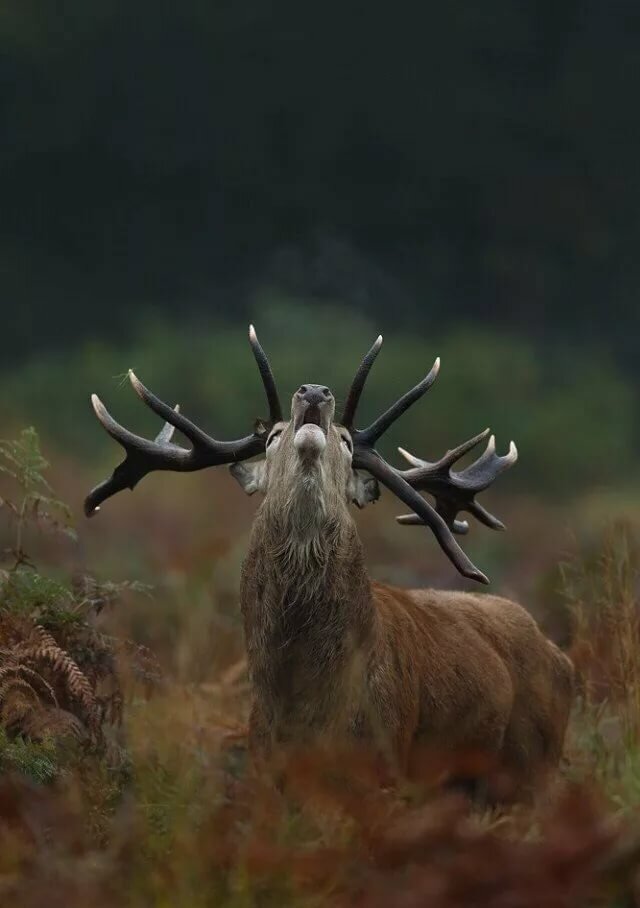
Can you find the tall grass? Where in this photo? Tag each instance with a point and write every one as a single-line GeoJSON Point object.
{"type": "Point", "coordinates": [603, 594]}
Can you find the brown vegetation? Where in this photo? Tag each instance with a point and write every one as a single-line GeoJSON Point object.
{"type": "Point", "coordinates": [175, 819]}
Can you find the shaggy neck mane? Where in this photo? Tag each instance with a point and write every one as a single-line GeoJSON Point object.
{"type": "Point", "coordinates": [304, 529]}
{"type": "Point", "coordinates": [306, 595]}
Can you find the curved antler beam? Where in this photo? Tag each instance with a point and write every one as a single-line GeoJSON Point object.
{"type": "Point", "coordinates": [370, 460]}
{"type": "Point", "coordinates": [144, 456]}
{"type": "Point", "coordinates": [453, 491]}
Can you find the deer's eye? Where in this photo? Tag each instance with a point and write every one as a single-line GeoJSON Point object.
{"type": "Point", "coordinates": [273, 436]}
{"type": "Point", "coordinates": [347, 441]}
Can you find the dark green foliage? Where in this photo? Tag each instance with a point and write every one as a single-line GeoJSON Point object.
{"type": "Point", "coordinates": [37, 760]}
{"type": "Point", "coordinates": [22, 461]}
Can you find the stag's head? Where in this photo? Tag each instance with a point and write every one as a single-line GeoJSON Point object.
{"type": "Point", "coordinates": [313, 461]}
{"type": "Point", "coordinates": [308, 460]}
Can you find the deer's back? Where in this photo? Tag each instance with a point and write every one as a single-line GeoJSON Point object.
{"type": "Point", "coordinates": [475, 669]}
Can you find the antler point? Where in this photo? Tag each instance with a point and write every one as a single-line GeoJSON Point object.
{"type": "Point", "coordinates": [98, 407]}
{"type": "Point", "coordinates": [136, 384]}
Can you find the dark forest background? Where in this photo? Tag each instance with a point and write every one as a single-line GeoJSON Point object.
{"type": "Point", "coordinates": [460, 176]}
{"type": "Point", "coordinates": [453, 160]}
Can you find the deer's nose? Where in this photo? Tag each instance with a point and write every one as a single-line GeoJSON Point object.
{"type": "Point", "coordinates": [314, 395]}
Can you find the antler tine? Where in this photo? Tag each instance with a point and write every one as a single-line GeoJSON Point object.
{"type": "Point", "coordinates": [377, 428]}
{"type": "Point", "coordinates": [268, 380]}
{"type": "Point", "coordinates": [165, 434]}
{"type": "Point", "coordinates": [370, 460]}
{"type": "Point", "coordinates": [478, 476]}
{"type": "Point", "coordinates": [489, 466]}
{"type": "Point", "coordinates": [144, 456]}
{"type": "Point", "coordinates": [198, 438]}
{"type": "Point", "coordinates": [485, 517]}
{"type": "Point", "coordinates": [459, 527]}
{"type": "Point", "coordinates": [140, 452]}
{"type": "Point", "coordinates": [124, 478]}
{"type": "Point", "coordinates": [455, 491]}
{"type": "Point", "coordinates": [116, 431]}
{"type": "Point", "coordinates": [358, 383]}
{"type": "Point", "coordinates": [451, 456]}
{"type": "Point", "coordinates": [172, 416]}
{"type": "Point", "coordinates": [381, 424]}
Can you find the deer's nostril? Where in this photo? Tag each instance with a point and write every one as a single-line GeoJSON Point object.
{"type": "Point", "coordinates": [326, 392]}
{"type": "Point", "coordinates": [302, 389]}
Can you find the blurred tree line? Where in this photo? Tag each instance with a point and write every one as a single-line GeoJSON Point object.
{"type": "Point", "coordinates": [428, 164]}
{"type": "Point", "coordinates": [571, 414]}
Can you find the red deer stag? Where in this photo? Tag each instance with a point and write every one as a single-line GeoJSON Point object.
{"type": "Point", "coordinates": [334, 656]}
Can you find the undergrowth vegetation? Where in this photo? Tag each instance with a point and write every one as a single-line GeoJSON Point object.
{"type": "Point", "coordinates": [60, 690]}
{"type": "Point", "coordinates": [126, 783]}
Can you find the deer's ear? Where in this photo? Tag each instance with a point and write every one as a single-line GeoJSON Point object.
{"type": "Point", "coordinates": [251, 476]}
{"type": "Point", "coordinates": [363, 489]}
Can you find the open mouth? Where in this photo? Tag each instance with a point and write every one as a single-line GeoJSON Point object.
{"type": "Point", "coordinates": [312, 416]}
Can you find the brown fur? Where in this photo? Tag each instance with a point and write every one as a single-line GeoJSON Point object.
{"type": "Point", "coordinates": [335, 657]}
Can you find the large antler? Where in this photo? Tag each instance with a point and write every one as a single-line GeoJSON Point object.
{"type": "Point", "coordinates": [453, 491]}
{"type": "Point", "coordinates": [143, 456]}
